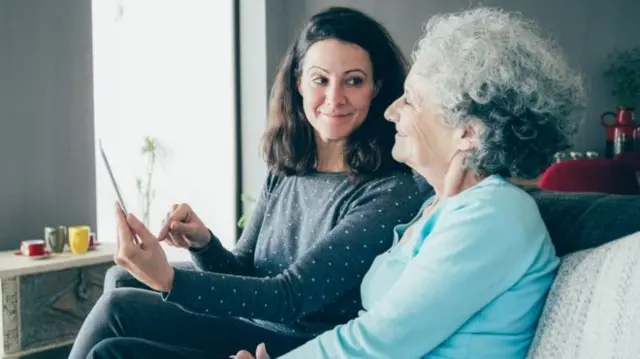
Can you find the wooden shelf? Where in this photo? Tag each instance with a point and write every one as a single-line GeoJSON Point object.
{"type": "Point", "coordinates": [12, 265]}
{"type": "Point", "coordinates": [43, 302]}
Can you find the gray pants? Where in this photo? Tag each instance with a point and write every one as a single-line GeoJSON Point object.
{"type": "Point", "coordinates": [131, 321]}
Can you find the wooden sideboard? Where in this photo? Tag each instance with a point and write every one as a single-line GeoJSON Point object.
{"type": "Point", "coordinates": [44, 301]}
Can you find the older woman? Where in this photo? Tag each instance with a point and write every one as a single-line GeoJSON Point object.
{"type": "Point", "coordinates": [486, 99]}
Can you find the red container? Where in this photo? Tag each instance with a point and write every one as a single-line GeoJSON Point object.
{"type": "Point", "coordinates": [621, 130]}
{"type": "Point", "coordinates": [33, 247]}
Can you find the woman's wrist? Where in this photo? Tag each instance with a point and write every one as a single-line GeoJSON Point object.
{"type": "Point", "coordinates": [199, 247]}
{"type": "Point", "coordinates": [167, 282]}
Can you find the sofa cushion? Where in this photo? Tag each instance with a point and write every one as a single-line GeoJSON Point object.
{"type": "Point", "coordinates": [592, 308]}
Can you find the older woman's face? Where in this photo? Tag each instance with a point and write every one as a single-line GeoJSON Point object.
{"type": "Point", "coordinates": [423, 140]}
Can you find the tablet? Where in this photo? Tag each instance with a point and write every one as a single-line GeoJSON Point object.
{"type": "Point", "coordinates": [113, 180]}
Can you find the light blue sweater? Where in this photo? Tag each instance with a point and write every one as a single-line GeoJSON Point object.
{"type": "Point", "coordinates": [470, 283]}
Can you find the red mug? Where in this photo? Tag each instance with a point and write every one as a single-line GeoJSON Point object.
{"type": "Point", "coordinates": [33, 247]}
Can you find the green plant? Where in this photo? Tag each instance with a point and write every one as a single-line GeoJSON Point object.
{"type": "Point", "coordinates": [248, 201]}
{"type": "Point", "coordinates": [151, 151]}
{"type": "Point", "coordinates": [623, 73]}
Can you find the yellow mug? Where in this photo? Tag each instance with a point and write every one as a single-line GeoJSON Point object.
{"type": "Point", "coordinates": [79, 239]}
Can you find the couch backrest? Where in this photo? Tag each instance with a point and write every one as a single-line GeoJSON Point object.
{"type": "Point", "coordinates": [593, 307]}
{"type": "Point", "coordinates": [578, 221]}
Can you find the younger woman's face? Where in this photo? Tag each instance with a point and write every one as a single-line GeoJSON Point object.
{"type": "Point", "coordinates": [337, 88]}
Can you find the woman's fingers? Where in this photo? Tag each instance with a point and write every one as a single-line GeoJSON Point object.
{"type": "Point", "coordinates": [179, 213]}
{"type": "Point", "coordinates": [179, 240]}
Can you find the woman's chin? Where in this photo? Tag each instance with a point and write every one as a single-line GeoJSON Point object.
{"type": "Point", "coordinates": [398, 155]}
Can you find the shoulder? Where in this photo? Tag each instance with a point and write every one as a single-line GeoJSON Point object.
{"type": "Point", "coordinates": [395, 190]}
{"type": "Point", "coordinates": [272, 182]}
{"type": "Point", "coordinates": [493, 218]}
{"type": "Point", "coordinates": [497, 204]}
{"type": "Point", "coordinates": [496, 193]}
{"type": "Point", "coordinates": [397, 181]}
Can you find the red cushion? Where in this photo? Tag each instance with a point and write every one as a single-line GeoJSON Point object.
{"type": "Point", "coordinates": [631, 159]}
{"type": "Point", "coordinates": [591, 175]}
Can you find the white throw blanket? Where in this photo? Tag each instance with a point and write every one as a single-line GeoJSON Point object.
{"type": "Point", "coordinates": [593, 308]}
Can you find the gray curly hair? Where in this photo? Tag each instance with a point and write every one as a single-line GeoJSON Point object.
{"type": "Point", "coordinates": [489, 65]}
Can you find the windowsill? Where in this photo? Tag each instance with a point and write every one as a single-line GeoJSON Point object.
{"type": "Point", "coordinates": [14, 265]}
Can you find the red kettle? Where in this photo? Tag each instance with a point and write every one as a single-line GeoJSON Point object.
{"type": "Point", "coordinates": [623, 133]}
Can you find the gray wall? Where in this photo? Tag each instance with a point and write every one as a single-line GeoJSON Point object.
{"type": "Point", "coordinates": [47, 170]}
{"type": "Point", "coordinates": [587, 30]}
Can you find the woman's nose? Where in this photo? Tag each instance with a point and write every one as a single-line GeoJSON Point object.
{"type": "Point", "coordinates": [335, 94]}
{"type": "Point", "coordinates": [391, 113]}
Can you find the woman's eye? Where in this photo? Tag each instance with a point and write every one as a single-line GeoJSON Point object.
{"type": "Point", "coordinates": [319, 80]}
{"type": "Point", "coordinates": [355, 81]}
{"type": "Point", "coordinates": [406, 101]}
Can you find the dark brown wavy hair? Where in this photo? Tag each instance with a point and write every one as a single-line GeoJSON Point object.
{"type": "Point", "coordinates": [289, 145]}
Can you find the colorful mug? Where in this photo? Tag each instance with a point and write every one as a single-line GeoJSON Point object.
{"type": "Point", "coordinates": [33, 247]}
{"type": "Point", "coordinates": [79, 239]}
{"type": "Point", "coordinates": [56, 238]}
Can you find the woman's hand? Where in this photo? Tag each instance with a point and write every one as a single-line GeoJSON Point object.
{"type": "Point", "coordinates": [182, 228]}
{"type": "Point", "coordinates": [144, 259]}
{"type": "Point", "coordinates": [261, 353]}
{"type": "Point", "coordinates": [455, 176]}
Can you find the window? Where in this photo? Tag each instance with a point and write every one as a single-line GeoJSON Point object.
{"type": "Point", "coordinates": [164, 69]}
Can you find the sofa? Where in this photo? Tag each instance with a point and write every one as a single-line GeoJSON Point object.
{"type": "Point", "coordinates": [593, 307]}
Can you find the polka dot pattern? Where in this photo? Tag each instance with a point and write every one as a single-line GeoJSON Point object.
{"type": "Point", "coordinates": [304, 252]}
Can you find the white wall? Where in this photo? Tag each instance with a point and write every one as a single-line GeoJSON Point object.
{"type": "Point", "coordinates": [254, 90]}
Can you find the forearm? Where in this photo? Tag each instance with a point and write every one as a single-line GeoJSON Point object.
{"type": "Point", "coordinates": [230, 295]}
{"type": "Point", "coordinates": [309, 284]}
{"type": "Point", "coordinates": [215, 258]}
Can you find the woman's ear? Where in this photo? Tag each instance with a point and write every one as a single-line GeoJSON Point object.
{"type": "Point", "coordinates": [376, 88]}
{"type": "Point", "coordinates": [469, 136]}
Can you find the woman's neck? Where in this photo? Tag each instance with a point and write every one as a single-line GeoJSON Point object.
{"type": "Point", "coordinates": [330, 156]}
{"type": "Point", "coordinates": [438, 181]}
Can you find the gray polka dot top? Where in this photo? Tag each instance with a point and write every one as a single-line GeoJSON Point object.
{"type": "Point", "coordinates": [300, 260]}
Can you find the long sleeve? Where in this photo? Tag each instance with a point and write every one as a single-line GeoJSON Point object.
{"type": "Point", "coordinates": [239, 261]}
{"type": "Point", "coordinates": [468, 254]}
{"type": "Point", "coordinates": [334, 264]}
